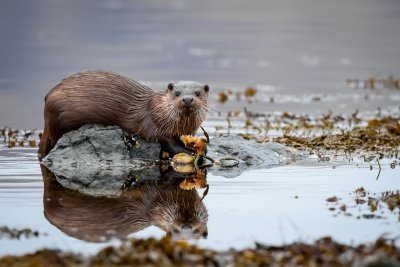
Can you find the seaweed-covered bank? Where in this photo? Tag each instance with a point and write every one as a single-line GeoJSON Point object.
{"type": "Point", "coordinates": [165, 252]}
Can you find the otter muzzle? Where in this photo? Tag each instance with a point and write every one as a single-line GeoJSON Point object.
{"type": "Point", "coordinates": [187, 101]}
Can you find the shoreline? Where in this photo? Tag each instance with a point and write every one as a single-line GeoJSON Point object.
{"type": "Point", "coordinates": [165, 252]}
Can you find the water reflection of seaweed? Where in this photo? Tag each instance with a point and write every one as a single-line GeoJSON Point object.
{"type": "Point", "coordinates": [180, 213]}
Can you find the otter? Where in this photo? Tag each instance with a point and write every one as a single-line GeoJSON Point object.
{"type": "Point", "coordinates": [102, 97]}
{"type": "Point", "coordinates": [180, 213]}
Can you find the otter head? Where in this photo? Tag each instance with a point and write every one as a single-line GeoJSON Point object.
{"type": "Point", "coordinates": [189, 95]}
{"type": "Point", "coordinates": [181, 214]}
{"type": "Point", "coordinates": [187, 230]}
{"type": "Point", "coordinates": [179, 110]}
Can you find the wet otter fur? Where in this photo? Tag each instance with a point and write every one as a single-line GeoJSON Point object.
{"type": "Point", "coordinates": [107, 98]}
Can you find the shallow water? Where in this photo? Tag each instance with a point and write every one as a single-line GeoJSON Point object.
{"type": "Point", "coordinates": [294, 52]}
{"type": "Point", "coordinates": [271, 206]}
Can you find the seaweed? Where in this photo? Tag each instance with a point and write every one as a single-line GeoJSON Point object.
{"type": "Point", "coordinates": [166, 252]}
{"type": "Point", "coordinates": [13, 233]}
{"type": "Point", "coordinates": [18, 137]}
{"type": "Point", "coordinates": [387, 201]}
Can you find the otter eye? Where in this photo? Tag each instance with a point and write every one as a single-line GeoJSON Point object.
{"type": "Point", "coordinates": [206, 88]}
{"type": "Point", "coordinates": [177, 93]}
{"type": "Point", "coordinates": [171, 86]}
{"type": "Point", "coordinates": [197, 93]}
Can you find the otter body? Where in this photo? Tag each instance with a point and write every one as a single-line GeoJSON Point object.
{"type": "Point", "coordinates": [101, 97]}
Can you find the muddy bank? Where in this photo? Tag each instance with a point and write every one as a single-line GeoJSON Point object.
{"type": "Point", "coordinates": [165, 252]}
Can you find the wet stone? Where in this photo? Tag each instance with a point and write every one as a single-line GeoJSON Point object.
{"type": "Point", "coordinates": [250, 154]}
{"type": "Point", "coordinates": [99, 160]}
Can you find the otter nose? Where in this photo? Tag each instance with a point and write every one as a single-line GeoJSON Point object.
{"type": "Point", "coordinates": [187, 101]}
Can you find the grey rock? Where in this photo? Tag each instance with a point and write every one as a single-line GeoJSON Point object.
{"type": "Point", "coordinates": [95, 160]}
{"type": "Point", "coordinates": [99, 160]}
{"type": "Point", "coordinates": [250, 154]}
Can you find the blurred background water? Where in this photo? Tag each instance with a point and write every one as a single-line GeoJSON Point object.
{"type": "Point", "coordinates": [294, 46]}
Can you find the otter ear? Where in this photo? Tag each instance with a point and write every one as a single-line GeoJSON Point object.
{"type": "Point", "coordinates": [206, 88]}
{"type": "Point", "coordinates": [170, 86]}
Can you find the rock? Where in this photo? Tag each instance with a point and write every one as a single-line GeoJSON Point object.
{"type": "Point", "coordinates": [94, 160]}
{"type": "Point", "coordinates": [100, 161]}
{"type": "Point", "coordinates": [250, 154]}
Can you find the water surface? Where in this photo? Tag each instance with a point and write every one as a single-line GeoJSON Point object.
{"type": "Point", "coordinates": [293, 51]}
{"type": "Point", "coordinates": [271, 206]}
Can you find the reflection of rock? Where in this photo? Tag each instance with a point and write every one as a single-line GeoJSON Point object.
{"type": "Point", "coordinates": [178, 212]}
{"type": "Point", "coordinates": [98, 151]}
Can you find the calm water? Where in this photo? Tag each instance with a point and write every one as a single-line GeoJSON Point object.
{"type": "Point", "coordinates": [273, 206]}
{"type": "Point", "coordinates": [297, 47]}
{"type": "Point", "coordinates": [292, 50]}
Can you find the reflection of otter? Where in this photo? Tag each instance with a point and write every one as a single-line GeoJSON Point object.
{"type": "Point", "coordinates": [180, 213]}
{"type": "Point", "coordinates": [101, 97]}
